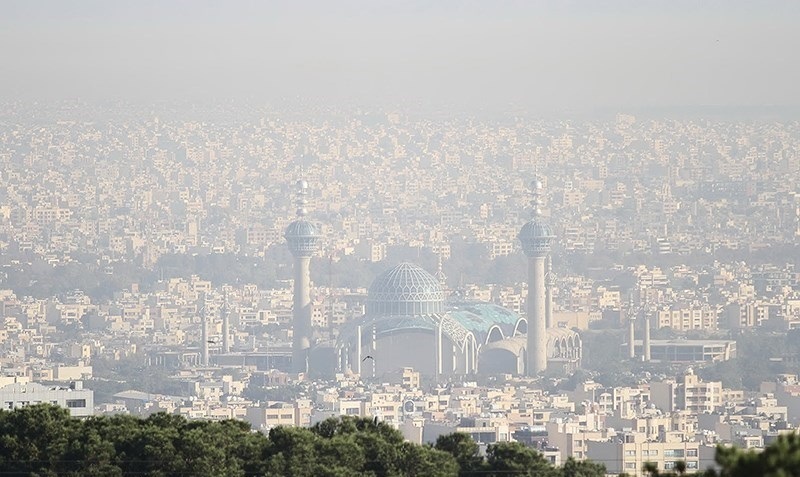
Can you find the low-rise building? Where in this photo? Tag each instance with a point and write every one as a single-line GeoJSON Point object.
{"type": "Point", "coordinates": [79, 401]}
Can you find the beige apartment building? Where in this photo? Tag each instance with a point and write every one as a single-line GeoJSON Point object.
{"type": "Point", "coordinates": [279, 414]}
{"type": "Point", "coordinates": [685, 318]}
{"type": "Point", "coordinates": [745, 315]}
{"type": "Point", "coordinates": [572, 438]}
{"type": "Point", "coordinates": [688, 393]}
{"type": "Point", "coordinates": [629, 452]}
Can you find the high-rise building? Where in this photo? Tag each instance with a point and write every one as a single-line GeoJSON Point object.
{"type": "Point", "coordinates": [536, 237]}
{"type": "Point", "coordinates": [303, 240]}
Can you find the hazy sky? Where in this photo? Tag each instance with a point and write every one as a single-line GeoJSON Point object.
{"type": "Point", "coordinates": [550, 55]}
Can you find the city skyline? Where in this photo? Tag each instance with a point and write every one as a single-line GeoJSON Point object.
{"type": "Point", "coordinates": [569, 230]}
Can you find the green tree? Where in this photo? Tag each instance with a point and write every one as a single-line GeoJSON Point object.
{"type": "Point", "coordinates": [464, 450]}
{"type": "Point", "coordinates": [425, 461]}
{"type": "Point", "coordinates": [93, 454]}
{"type": "Point", "coordinates": [513, 458]}
{"type": "Point", "coordinates": [779, 459]}
{"type": "Point", "coordinates": [34, 439]}
{"type": "Point", "coordinates": [43, 441]}
{"type": "Point", "coordinates": [339, 455]}
{"type": "Point", "coordinates": [292, 453]}
{"type": "Point", "coordinates": [381, 443]}
{"type": "Point", "coordinates": [582, 468]}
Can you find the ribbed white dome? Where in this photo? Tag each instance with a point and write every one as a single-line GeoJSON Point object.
{"type": "Point", "coordinates": [406, 289]}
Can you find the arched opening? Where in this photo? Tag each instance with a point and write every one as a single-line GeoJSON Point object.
{"type": "Point", "coordinates": [521, 327]}
{"type": "Point", "coordinates": [495, 334]}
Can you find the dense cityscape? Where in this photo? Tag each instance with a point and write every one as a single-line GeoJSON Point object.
{"type": "Point", "coordinates": [144, 268]}
{"type": "Point", "coordinates": [374, 238]}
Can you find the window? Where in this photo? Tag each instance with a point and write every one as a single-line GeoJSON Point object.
{"type": "Point", "coordinates": [669, 465]}
{"type": "Point", "coordinates": [630, 465]}
{"type": "Point", "coordinates": [692, 464]}
{"type": "Point", "coordinates": [76, 402]}
{"type": "Point", "coordinates": [691, 452]}
{"type": "Point", "coordinates": [673, 453]}
{"type": "Point", "coordinates": [630, 453]}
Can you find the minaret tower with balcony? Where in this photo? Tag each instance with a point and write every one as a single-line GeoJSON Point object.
{"type": "Point", "coordinates": [303, 240]}
{"type": "Point", "coordinates": [536, 237]}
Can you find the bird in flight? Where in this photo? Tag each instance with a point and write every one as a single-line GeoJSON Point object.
{"type": "Point", "coordinates": [367, 357]}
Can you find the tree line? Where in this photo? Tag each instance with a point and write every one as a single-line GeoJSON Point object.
{"type": "Point", "coordinates": [44, 441]}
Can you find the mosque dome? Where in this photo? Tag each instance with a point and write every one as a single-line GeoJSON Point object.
{"type": "Point", "coordinates": [302, 237]}
{"type": "Point", "coordinates": [406, 289]}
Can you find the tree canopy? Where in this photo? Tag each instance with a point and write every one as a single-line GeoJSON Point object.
{"type": "Point", "coordinates": [43, 440]}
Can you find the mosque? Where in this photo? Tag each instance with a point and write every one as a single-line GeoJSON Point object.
{"type": "Point", "coordinates": [411, 322]}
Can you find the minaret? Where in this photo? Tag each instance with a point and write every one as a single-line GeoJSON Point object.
{"type": "Point", "coordinates": [536, 236]}
{"type": "Point", "coordinates": [203, 311]}
{"type": "Point", "coordinates": [303, 240]}
{"type": "Point", "coordinates": [358, 350]}
{"type": "Point", "coordinates": [226, 326]}
{"type": "Point", "coordinates": [647, 310]}
{"type": "Point", "coordinates": [646, 341]}
{"type": "Point", "coordinates": [632, 312]}
{"type": "Point", "coordinates": [631, 338]}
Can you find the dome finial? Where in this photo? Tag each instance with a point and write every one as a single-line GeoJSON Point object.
{"type": "Point", "coordinates": [550, 277]}
{"type": "Point", "coordinates": [301, 235]}
{"type": "Point", "coordinates": [301, 201]}
{"type": "Point", "coordinates": [536, 198]}
{"type": "Point", "coordinates": [440, 269]}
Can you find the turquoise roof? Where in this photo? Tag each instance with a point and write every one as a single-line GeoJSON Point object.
{"type": "Point", "coordinates": [392, 323]}
{"type": "Point", "coordinates": [469, 317]}
{"type": "Point", "coordinates": [480, 317]}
